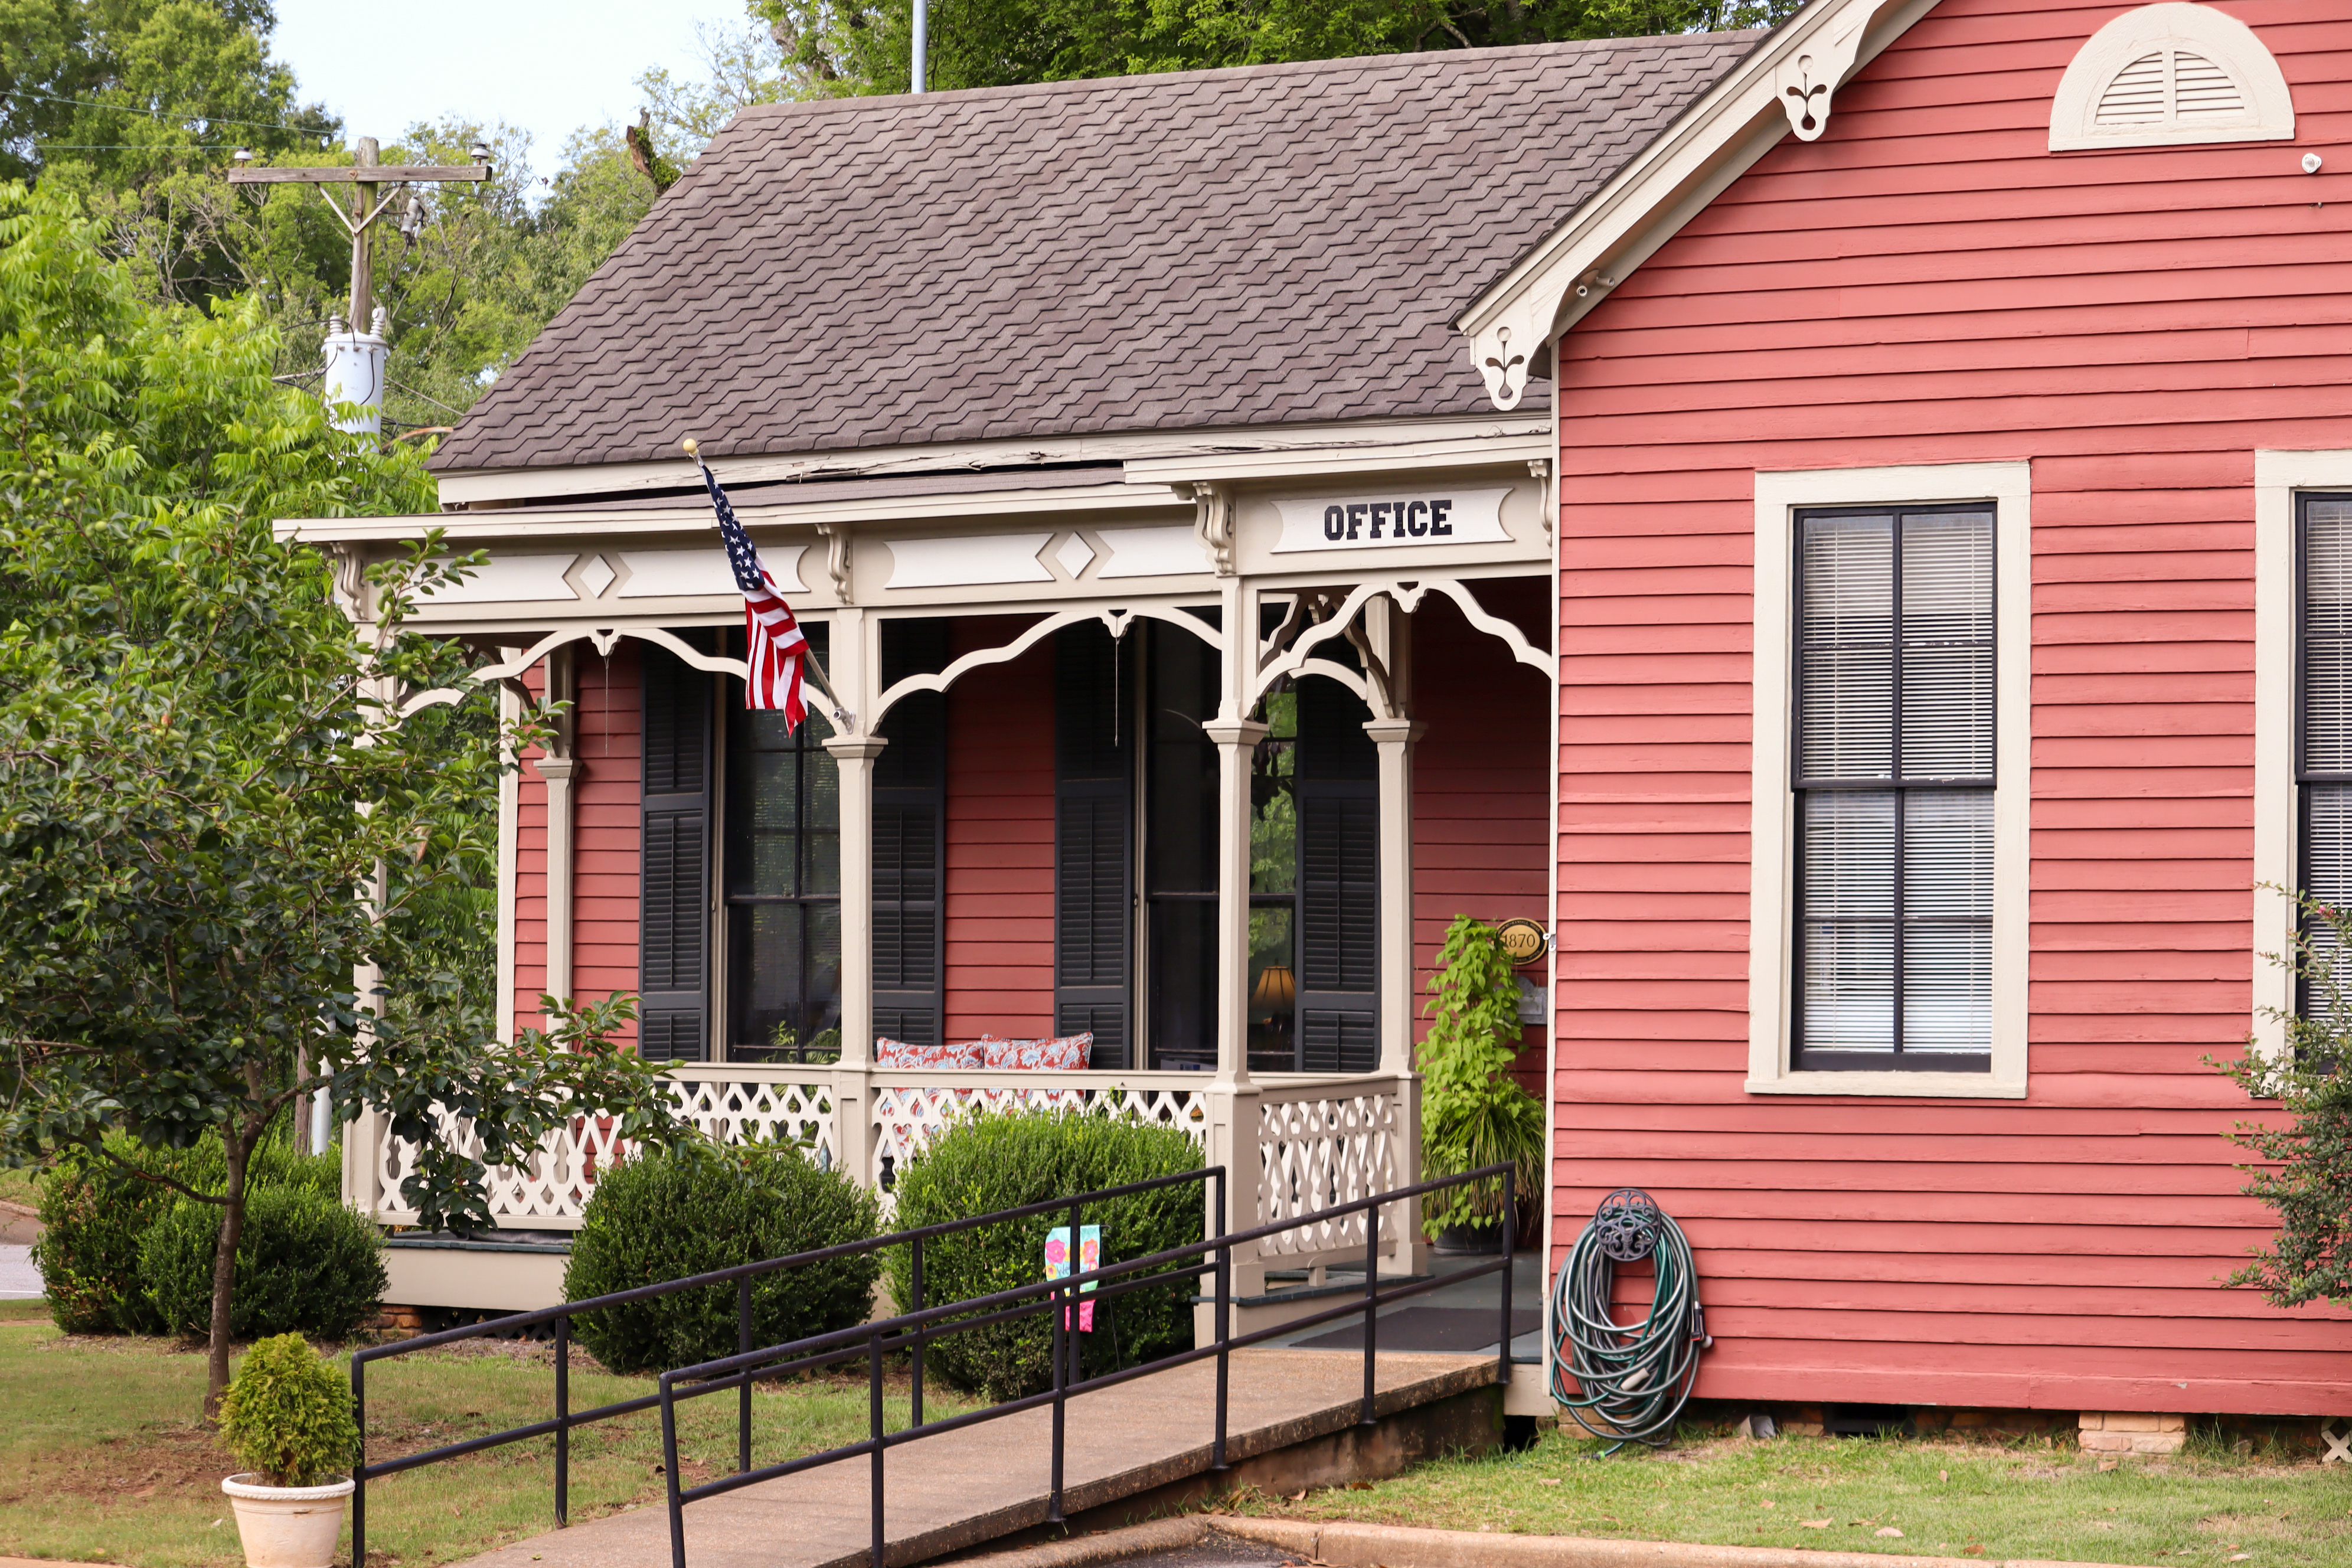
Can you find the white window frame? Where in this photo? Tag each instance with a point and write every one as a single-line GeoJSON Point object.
{"type": "Point", "coordinates": [2008, 487]}
{"type": "Point", "coordinates": [2280, 478]}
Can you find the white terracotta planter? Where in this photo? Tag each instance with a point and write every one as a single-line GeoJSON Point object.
{"type": "Point", "coordinates": [287, 1527]}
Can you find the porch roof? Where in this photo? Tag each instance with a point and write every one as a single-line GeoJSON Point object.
{"type": "Point", "coordinates": [1266, 245]}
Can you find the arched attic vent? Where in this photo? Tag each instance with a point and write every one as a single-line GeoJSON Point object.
{"type": "Point", "coordinates": [2169, 74]}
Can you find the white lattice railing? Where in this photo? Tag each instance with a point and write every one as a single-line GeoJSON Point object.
{"type": "Point", "coordinates": [1319, 1141]}
{"type": "Point", "coordinates": [552, 1191]}
{"type": "Point", "coordinates": [911, 1109]}
{"type": "Point", "coordinates": [1325, 1143]}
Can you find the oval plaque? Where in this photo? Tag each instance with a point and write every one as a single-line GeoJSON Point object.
{"type": "Point", "coordinates": [1524, 939]}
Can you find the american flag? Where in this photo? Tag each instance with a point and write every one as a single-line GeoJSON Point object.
{"type": "Point", "coordinates": [777, 648]}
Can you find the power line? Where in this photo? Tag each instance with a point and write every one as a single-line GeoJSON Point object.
{"type": "Point", "coordinates": [207, 118]}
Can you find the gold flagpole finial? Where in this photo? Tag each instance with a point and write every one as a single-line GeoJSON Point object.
{"type": "Point", "coordinates": [693, 448]}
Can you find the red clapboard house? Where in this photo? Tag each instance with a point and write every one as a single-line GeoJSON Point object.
{"type": "Point", "coordinates": [1950, 490]}
{"type": "Point", "coordinates": [1883, 487]}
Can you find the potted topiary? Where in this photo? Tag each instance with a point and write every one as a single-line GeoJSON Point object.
{"type": "Point", "coordinates": [288, 1419]}
{"type": "Point", "coordinates": [1473, 1112]}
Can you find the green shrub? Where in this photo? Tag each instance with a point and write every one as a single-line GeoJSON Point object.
{"type": "Point", "coordinates": [305, 1264]}
{"type": "Point", "coordinates": [1474, 1114]}
{"type": "Point", "coordinates": [94, 1213]}
{"type": "Point", "coordinates": [1007, 1161]}
{"type": "Point", "coordinates": [288, 1415]}
{"type": "Point", "coordinates": [666, 1214]}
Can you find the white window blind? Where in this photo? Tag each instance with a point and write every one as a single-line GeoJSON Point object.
{"type": "Point", "coordinates": [2325, 767]}
{"type": "Point", "coordinates": [1893, 759]}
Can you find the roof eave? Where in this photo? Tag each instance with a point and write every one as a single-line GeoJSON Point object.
{"type": "Point", "coordinates": [1719, 138]}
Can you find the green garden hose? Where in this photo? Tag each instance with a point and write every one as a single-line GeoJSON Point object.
{"type": "Point", "coordinates": [1630, 1379]}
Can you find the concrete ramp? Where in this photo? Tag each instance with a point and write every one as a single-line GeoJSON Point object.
{"type": "Point", "coordinates": [1293, 1421]}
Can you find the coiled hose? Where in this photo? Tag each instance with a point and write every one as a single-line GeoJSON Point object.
{"type": "Point", "coordinates": [1632, 1380]}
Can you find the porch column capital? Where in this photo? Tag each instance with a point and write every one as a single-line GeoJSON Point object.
{"type": "Point", "coordinates": [1394, 732]}
{"type": "Point", "coordinates": [856, 748]}
{"type": "Point", "coordinates": [1234, 732]}
{"type": "Point", "coordinates": [556, 770]}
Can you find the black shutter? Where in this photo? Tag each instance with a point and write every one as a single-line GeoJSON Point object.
{"type": "Point", "coordinates": [1093, 833]}
{"type": "Point", "coordinates": [674, 922]}
{"type": "Point", "coordinates": [909, 790]}
{"type": "Point", "coordinates": [1339, 881]}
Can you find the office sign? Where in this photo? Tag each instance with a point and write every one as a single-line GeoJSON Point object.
{"type": "Point", "coordinates": [1401, 517]}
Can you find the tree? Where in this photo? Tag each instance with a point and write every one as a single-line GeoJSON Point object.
{"type": "Point", "coordinates": [211, 810]}
{"type": "Point", "coordinates": [839, 47]}
{"type": "Point", "coordinates": [2307, 1177]}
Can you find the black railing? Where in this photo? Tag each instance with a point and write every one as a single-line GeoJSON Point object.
{"type": "Point", "coordinates": [741, 1276]}
{"type": "Point", "coordinates": [1058, 1297]}
{"type": "Point", "coordinates": [910, 1331]}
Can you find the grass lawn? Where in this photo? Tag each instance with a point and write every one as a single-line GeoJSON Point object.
{"type": "Point", "coordinates": [103, 1457]}
{"type": "Point", "coordinates": [1948, 1499]}
{"type": "Point", "coordinates": [21, 1186]}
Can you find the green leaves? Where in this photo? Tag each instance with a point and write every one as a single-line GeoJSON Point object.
{"type": "Point", "coordinates": [1474, 1114]}
{"type": "Point", "coordinates": [2307, 1177]}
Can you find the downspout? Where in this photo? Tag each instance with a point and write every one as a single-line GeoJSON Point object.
{"type": "Point", "coordinates": [922, 43]}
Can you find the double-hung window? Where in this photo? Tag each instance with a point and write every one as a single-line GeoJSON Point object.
{"type": "Point", "coordinates": [1893, 769]}
{"type": "Point", "coordinates": [2324, 759]}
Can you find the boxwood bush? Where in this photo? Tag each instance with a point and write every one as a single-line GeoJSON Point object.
{"type": "Point", "coordinates": [94, 1213]}
{"type": "Point", "coordinates": [305, 1265]}
{"type": "Point", "coordinates": [1005, 1160]}
{"type": "Point", "coordinates": [286, 1416]}
{"type": "Point", "coordinates": [668, 1214]}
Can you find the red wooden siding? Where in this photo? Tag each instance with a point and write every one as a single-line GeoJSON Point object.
{"type": "Point", "coordinates": [1000, 839]}
{"type": "Point", "coordinates": [1926, 283]}
{"type": "Point", "coordinates": [1479, 781]}
{"type": "Point", "coordinates": [607, 720]}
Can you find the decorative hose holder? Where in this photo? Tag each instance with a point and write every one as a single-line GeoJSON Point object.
{"type": "Point", "coordinates": [1630, 1379]}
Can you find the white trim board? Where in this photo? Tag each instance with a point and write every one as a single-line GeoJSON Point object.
{"type": "Point", "coordinates": [2278, 476]}
{"type": "Point", "coordinates": [1771, 951]}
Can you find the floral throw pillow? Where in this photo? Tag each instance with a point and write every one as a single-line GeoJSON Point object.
{"type": "Point", "coordinates": [889, 1053]}
{"type": "Point", "coordinates": [1067, 1054]}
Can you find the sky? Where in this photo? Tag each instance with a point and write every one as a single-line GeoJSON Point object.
{"type": "Point", "coordinates": [547, 66]}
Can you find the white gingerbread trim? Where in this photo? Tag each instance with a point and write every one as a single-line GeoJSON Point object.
{"type": "Point", "coordinates": [2166, 35]}
{"type": "Point", "coordinates": [1786, 83]}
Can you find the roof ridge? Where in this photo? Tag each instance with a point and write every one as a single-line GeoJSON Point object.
{"type": "Point", "coordinates": [1073, 84]}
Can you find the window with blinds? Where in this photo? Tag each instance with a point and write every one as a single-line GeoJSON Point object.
{"type": "Point", "coordinates": [1894, 778]}
{"type": "Point", "coordinates": [2323, 714]}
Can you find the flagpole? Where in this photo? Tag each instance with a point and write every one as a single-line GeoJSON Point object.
{"type": "Point", "coordinates": [845, 722]}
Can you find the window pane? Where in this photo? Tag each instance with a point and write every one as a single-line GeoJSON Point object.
{"type": "Point", "coordinates": [1947, 987]}
{"type": "Point", "coordinates": [1947, 854]}
{"type": "Point", "coordinates": [1947, 578]}
{"type": "Point", "coordinates": [1274, 992]}
{"type": "Point", "coordinates": [1849, 855]}
{"type": "Point", "coordinates": [1846, 910]}
{"type": "Point", "coordinates": [1845, 661]}
{"type": "Point", "coordinates": [1947, 661]}
{"type": "Point", "coordinates": [2327, 634]}
{"type": "Point", "coordinates": [764, 967]}
{"type": "Point", "coordinates": [1846, 988]}
{"type": "Point", "coordinates": [1948, 712]}
{"type": "Point", "coordinates": [1273, 801]}
{"type": "Point", "coordinates": [1184, 983]}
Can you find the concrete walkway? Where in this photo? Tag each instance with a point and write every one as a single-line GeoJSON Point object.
{"type": "Point", "coordinates": [955, 1490]}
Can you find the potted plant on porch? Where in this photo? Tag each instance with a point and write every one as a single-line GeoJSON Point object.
{"type": "Point", "coordinates": [1473, 1112]}
{"type": "Point", "coordinates": [288, 1419]}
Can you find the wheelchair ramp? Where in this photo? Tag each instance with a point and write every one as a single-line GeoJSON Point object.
{"type": "Point", "coordinates": [1292, 1419]}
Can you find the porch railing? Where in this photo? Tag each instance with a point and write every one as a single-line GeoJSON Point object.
{"type": "Point", "coordinates": [1322, 1142]}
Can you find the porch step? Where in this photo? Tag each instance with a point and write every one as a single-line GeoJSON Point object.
{"type": "Point", "coordinates": [1141, 1446]}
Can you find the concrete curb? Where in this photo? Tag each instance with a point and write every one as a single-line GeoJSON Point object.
{"type": "Point", "coordinates": [1080, 1552]}
{"type": "Point", "coordinates": [1343, 1545]}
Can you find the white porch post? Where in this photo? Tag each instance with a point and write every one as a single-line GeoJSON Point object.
{"type": "Point", "coordinates": [557, 772]}
{"type": "Point", "coordinates": [853, 1088]}
{"type": "Point", "coordinates": [1233, 1097]}
{"type": "Point", "coordinates": [1395, 739]}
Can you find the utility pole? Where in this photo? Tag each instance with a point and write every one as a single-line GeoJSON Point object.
{"type": "Point", "coordinates": [356, 353]}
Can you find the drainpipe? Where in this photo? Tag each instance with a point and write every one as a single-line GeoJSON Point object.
{"type": "Point", "coordinates": [922, 40]}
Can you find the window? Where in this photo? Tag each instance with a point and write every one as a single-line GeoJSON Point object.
{"type": "Point", "coordinates": [1892, 757]}
{"type": "Point", "coordinates": [782, 812]}
{"type": "Point", "coordinates": [1894, 754]}
{"type": "Point", "coordinates": [2323, 763]}
{"type": "Point", "coordinates": [2171, 74]}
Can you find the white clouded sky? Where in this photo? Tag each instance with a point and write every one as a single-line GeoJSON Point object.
{"type": "Point", "coordinates": [547, 66]}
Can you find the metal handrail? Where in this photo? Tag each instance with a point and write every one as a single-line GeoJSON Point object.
{"type": "Point", "coordinates": [1058, 1297]}
{"type": "Point", "coordinates": [743, 1274]}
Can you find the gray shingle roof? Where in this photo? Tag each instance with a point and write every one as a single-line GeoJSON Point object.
{"type": "Point", "coordinates": [1263, 245]}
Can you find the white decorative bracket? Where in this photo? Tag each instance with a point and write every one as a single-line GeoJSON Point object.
{"type": "Point", "coordinates": [1213, 520]}
{"type": "Point", "coordinates": [1806, 80]}
{"type": "Point", "coordinates": [837, 559]}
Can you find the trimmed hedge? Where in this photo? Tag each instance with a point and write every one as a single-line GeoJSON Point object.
{"type": "Point", "coordinates": [1008, 1160]}
{"type": "Point", "coordinates": [305, 1265]}
{"type": "Point", "coordinates": [286, 1416]}
{"type": "Point", "coordinates": [670, 1213]}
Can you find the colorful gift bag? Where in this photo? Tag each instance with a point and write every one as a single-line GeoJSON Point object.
{"type": "Point", "coordinates": [1058, 1266]}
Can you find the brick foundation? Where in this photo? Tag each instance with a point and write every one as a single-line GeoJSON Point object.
{"type": "Point", "coordinates": [2131, 1432]}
